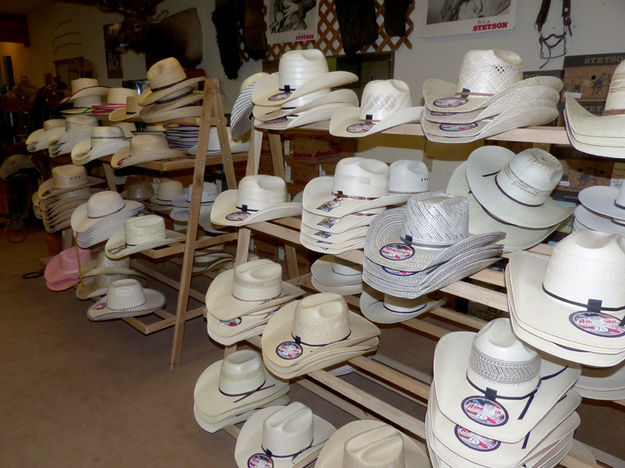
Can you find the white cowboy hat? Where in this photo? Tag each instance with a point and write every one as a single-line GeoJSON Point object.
{"type": "Point", "coordinates": [586, 219]}
{"type": "Point", "coordinates": [143, 148]}
{"type": "Point", "coordinates": [102, 206]}
{"type": "Point", "coordinates": [243, 106]}
{"type": "Point", "coordinates": [98, 274]}
{"type": "Point", "coordinates": [126, 298]}
{"type": "Point", "coordinates": [229, 332]}
{"type": "Point", "coordinates": [385, 308]}
{"type": "Point", "coordinates": [315, 114]}
{"type": "Point", "coordinates": [385, 104]}
{"type": "Point", "coordinates": [334, 275]}
{"type": "Point", "coordinates": [164, 107]}
{"type": "Point", "coordinates": [214, 145]}
{"type": "Point", "coordinates": [516, 188]}
{"type": "Point", "coordinates": [492, 384]}
{"type": "Point", "coordinates": [346, 97]}
{"type": "Point", "coordinates": [607, 149]}
{"type": "Point", "coordinates": [130, 111]}
{"type": "Point", "coordinates": [339, 225]}
{"type": "Point", "coordinates": [85, 87]}
{"type": "Point", "coordinates": [167, 80]}
{"type": "Point", "coordinates": [250, 287]}
{"type": "Point", "coordinates": [481, 221]}
{"type": "Point", "coordinates": [602, 384]}
{"type": "Point", "coordinates": [140, 233]}
{"type": "Point", "coordinates": [310, 233]}
{"type": "Point", "coordinates": [329, 247]}
{"type": "Point", "coordinates": [258, 198]}
{"type": "Point", "coordinates": [485, 76]}
{"type": "Point", "coordinates": [209, 194]}
{"type": "Point", "coordinates": [368, 444]}
{"type": "Point", "coordinates": [62, 270]}
{"type": "Point", "coordinates": [165, 193]}
{"type": "Point", "coordinates": [103, 141]}
{"type": "Point", "coordinates": [66, 178]}
{"type": "Point", "coordinates": [300, 74]}
{"type": "Point", "coordinates": [38, 140]}
{"type": "Point", "coordinates": [607, 201]}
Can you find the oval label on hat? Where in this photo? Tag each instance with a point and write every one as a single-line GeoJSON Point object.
{"type": "Point", "coordinates": [460, 127]}
{"type": "Point", "coordinates": [484, 411]}
{"type": "Point", "coordinates": [391, 271]}
{"type": "Point", "coordinates": [475, 441]}
{"type": "Point", "coordinates": [289, 350]}
{"type": "Point", "coordinates": [279, 96]}
{"type": "Point", "coordinates": [360, 127]}
{"type": "Point", "coordinates": [450, 102]}
{"type": "Point", "coordinates": [237, 216]}
{"type": "Point", "coordinates": [397, 251]}
{"type": "Point", "coordinates": [598, 324]}
{"type": "Point", "coordinates": [235, 322]}
{"type": "Point", "coordinates": [259, 460]}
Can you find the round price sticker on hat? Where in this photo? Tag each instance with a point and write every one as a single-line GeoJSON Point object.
{"type": "Point", "coordinates": [289, 350]}
{"type": "Point", "coordinates": [397, 251]}
{"type": "Point", "coordinates": [259, 460]}
{"type": "Point", "coordinates": [598, 324]}
{"type": "Point", "coordinates": [484, 411]}
{"type": "Point", "coordinates": [475, 441]}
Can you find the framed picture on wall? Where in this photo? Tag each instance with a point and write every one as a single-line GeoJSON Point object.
{"type": "Point", "coordinates": [291, 20]}
{"type": "Point", "coordinates": [451, 17]}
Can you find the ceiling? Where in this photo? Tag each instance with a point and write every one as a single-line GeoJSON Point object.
{"type": "Point", "coordinates": [21, 7]}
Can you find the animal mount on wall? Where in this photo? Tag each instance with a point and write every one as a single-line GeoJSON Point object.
{"type": "Point", "coordinates": [157, 35]}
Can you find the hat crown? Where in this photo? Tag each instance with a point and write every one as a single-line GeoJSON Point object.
{"type": "Point", "coordinates": [252, 79]}
{"type": "Point", "coordinates": [260, 191]}
{"type": "Point", "coordinates": [53, 123]}
{"type": "Point", "coordinates": [125, 294]}
{"type": "Point", "coordinates": [87, 101]}
{"type": "Point", "coordinates": [257, 280]}
{"type": "Point", "coordinates": [82, 83]}
{"type": "Point", "coordinates": [139, 191]}
{"type": "Point", "coordinates": [241, 371]}
{"type": "Point", "coordinates": [165, 72]}
{"type": "Point", "coordinates": [144, 229]}
{"type": "Point", "coordinates": [361, 177]}
{"type": "Point", "coordinates": [402, 305]}
{"type": "Point", "coordinates": [147, 143]}
{"type": "Point", "coordinates": [588, 265]}
{"type": "Point", "coordinates": [289, 430]}
{"type": "Point", "coordinates": [615, 100]}
{"type": "Point", "coordinates": [70, 258]}
{"type": "Point", "coordinates": [489, 71]}
{"type": "Point", "coordinates": [321, 319]}
{"type": "Point", "coordinates": [107, 132]}
{"type": "Point", "coordinates": [104, 262]}
{"type": "Point", "coordinates": [499, 361]}
{"type": "Point", "coordinates": [132, 104]}
{"type": "Point", "coordinates": [435, 219]}
{"type": "Point", "coordinates": [301, 66]}
{"type": "Point", "coordinates": [343, 268]}
{"type": "Point", "coordinates": [77, 121]}
{"type": "Point", "coordinates": [209, 192]}
{"type": "Point", "coordinates": [408, 176]}
{"type": "Point", "coordinates": [169, 190]}
{"type": "Point", "coordinates": [68, 175]}
{"type": "Point", "coordinates": [530, 176]}
{"type": "Point", "coordinates": [104, 203]}
{"type": "Point", "coordinates": [382, 98]}
{"type": "Point", "coordinates": [380, 447]}
{"type": "Point", "coordinates": [126, 127]}
{"type": "Point", "coordinates": [119, 95]}
{"type": "Point", "coordinates": [104, 281]}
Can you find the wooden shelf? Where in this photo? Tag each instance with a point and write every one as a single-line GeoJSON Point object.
{"type": "Point", "coordinates": [178, 248]}
{"type": "Point", "coordinates": [185, 161]}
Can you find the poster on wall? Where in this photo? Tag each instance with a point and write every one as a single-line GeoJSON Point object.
{"type": "Point", "coordinates": [452, 17]}
{"type": "Point", "coordinates": [113, 58]}
{"type": "Point", "coordinates": [291, 20]}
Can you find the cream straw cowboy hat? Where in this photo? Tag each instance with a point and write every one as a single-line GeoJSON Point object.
{"type": "Point", "coordinates": [97, 275]}
{"type": "Point", "coordinates": [66, 178]}
{"type": "Point", "coordinates": [346, 97]}
{"type": "Point", "coordinates": [115, 99]}
{"type": "Point", "coordinates": [229, 332]}
{"type": "Point", "coordinates": [167, 80]}
{"type": "Point", "coordinates": [385, 308]}
{"type": "Point", "coordinates": [62, 270]}
{"type": "Point", "coordinates": [516, 188]}
{"type": "Point", "coordinates": [82, 105]}
{"type": "Point", "coordinates": [103, 208]}
{"type": "Point", "coordinates": [85, 87]}
{"type": "Point", "coordinates": [334, 275]}
{"type": "Point", "coordinates": [143, 148]}
{"type": "Point", "coordinates": [301, 75]}
{"type": "Point", "coordinates": [328, 247]}
{"type": "Point", "coordinates": [165, 194]}
{"type": "Point", "coordinates": [250, 287]}
{"type": "Point", "coordinates": [243, 106]}
{"type": "Point", "coordinates": [38, 140]}
{"type": "Point", "coordinates": [103, 141]}
{"type": "Point", "coordinates": [315, 114]}
{"type": "Point", "coordinates": [385, 104]}
{"type": "Point", "coordinates": [258, 198]}
{"type": "Point", "coordinates": [602, 384]}
{"type": "Point", "coordinates": [485, 76]}
{"type": "Point", "coordinates": [606, 201]}
{"type": "Point", "coordinates": [492, 384]}
{"type": "Point", "coordinates": [586, 219]}
{"type": "Point", "coordinates": [126, 298]}
{"type": "Point", "coordinates": [77, 128]}
{"type": "Point", "coordinates": [129, 111]}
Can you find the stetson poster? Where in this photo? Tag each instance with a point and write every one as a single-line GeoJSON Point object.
{"type": "Point", "coordinates": [291, 20]}
{"type": "Point", "coordinates": [451, 17]}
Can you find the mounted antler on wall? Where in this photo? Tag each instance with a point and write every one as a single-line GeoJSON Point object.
{"type": "Point", "coordinates": [157, 35]}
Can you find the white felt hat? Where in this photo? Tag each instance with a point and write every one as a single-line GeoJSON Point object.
{"type": "Point", "coordinates": [143, 148]}
{"type": "Point", "coordinates": [126, 298]}
{"type": "Point", "coordinates": [167, 80]}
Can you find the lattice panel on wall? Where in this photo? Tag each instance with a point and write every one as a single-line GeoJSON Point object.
{"type": "Point", "coordinates": [329, 34]}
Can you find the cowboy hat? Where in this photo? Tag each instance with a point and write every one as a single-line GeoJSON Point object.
{"type": "Point", "coordinates": [385, 308]}
{"type": "Point", "coordinates": [328, 247]}
{"type": "Point", "coordinates": [182, 203]}
{"type": "Point", "coordinates": [62, 271]}
{"type": "Point", "coordinates": [385, 104]}
{"type": "Point", "coordinates": [606, 201]}
{"type": "Point", "coordinates": [98, 274]}
{"type": "Point", "coordinates": [346, 97]}
{"type": "Point", "coordinates": [250, 287]}
{"type": "Point", "coordinates": [515, 188]}
{"type": "Point", "coordinates": [85, 87]}
{"type": "Point", "coordinates": [229, 332]}
{"type": "Point", "coordinates": [167, 79]}
{"type": "Point", "coordinates": [38, 140]}
{"type": "Point", "coordinates": [140, 233]}
{"type": "Point", "coordinates": [115, 99]}
{"type": "Point", "coordinates": [165, 193]}
{"type": "Point", "coordinates": [586, 219]}
{"type": "Point", "coordinates": [171, 114]}
{"type": "Point", "coordinates": [126, 298]}
{"type": "Point", "coordinates": [339, 225]}
{"type": "Point", "coordinates": [103, 141]}
{"type": "Point", "coordinates": [66, 178]}
{"type": "Point", "coordinates": [214, 146]}
{"type": "Point", "coordinates": [607, 149]}
{"type": "Point", "coordinates": [334, 275]}
{"type": "Point", "coordinates": [312, 115]}
{"type": "Point", "coordinates": [332, 238]}
{"type": "Point", "coordinates": [77, 128]}
{"type": "Point", "coordinates": [172, 103]}
{"type": "Point", "coordinates": [602, 384]}
{"type": "Point", "coordinates": [102, 206]}
{"type": "Point", "coordinates": [243, 106]}
{"type": "Point", "coordinates": [143, 148]}
{"type": "Point", "coordinates": [82, 105]}
{"type": "Point", "coordinates": [129, 111]}
{"type": "Point", "coordinates": [258, 198]}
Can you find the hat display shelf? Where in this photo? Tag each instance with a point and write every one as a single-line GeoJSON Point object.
{"type": "Point", "coordinates": [486, 287]}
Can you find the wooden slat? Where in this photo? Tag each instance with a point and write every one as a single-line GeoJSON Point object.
{"type": "Point", "coordinates": [178, 248]}
{"type": "Point", "coordinates": [198, 296]}
{"type": "Point", "coordinates": [183, 162]}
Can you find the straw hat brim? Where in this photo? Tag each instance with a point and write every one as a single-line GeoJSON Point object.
{"type": "Point", "coordinates": [322, 270]}
{"type": "Point", "coordinates": [116, 247]}
{"type": "Point", "coordinates": [372, 307]}
{"type": "Point", "coordinates": [344, 290]}
{"type": "Point", "coordinates": [225, 212]}
{"type": "Point", "coordinates": [315, 114]}
{"type": "Point", "coordinates": [121, 114]}
{"type": "Point", "coordinates": [267, 90]}
{"type": "Point", "coordinates": [53, 272]}
{"type": "Point", "coordinates": [172, 114]}
{"type": "Point", "coordinates": [123, 157]}
{"type": "Point", "coordinates": [482, 166]}
{"type": "Point", "coordinates": [602, 380]}
{"type": "Point", "coordinates": [517, 237]}
{"type": "Point", "coordinates": [338, 238]}
{"type": "Point", "coordinates": [154, 300]}
{"type": "Point", "coordinates": [87, 286]}
{"type": "Point", "coordinates": [584, 122]}
{"type": "Point", "coordinates": [318, 245]}
{"type": "Point", "coordinates": [185, 101]}
{"type": "Point", "coordinates": [451, 361]}
{"type": "Point", "coordinates": [47, 189]}
{"type": "Point", "coordinates": [222, 305]}
{"type": "Point", "coordinates": [337, 225]}
{"type": "Point", "coordinates": [343, 96]}
{"type": "Point", "coordinates": [83, 153]}
{"type": "Point", "coordinates": [346, 122]}
{"type": "Point", "coordinates": [318, 193]}
{"type": "Point", "coordinates": [220, 330]}
{"type": "Point", "coordinates": [601, 199]}
{"type": "Point", "coordinates": [606, 150]}
{"type": "Point", "coordinates": [597, 222]}
{"type": "Point", "coordinates": [149, 97]}
{"type": "Point", "coordinates": [76, 111]}
{"type": "Point", "coordinates": [331, 455]}
{"type": "Point", "coordinates": [99, 90]}
{"type": "Point", "coordinates": [81, 221]}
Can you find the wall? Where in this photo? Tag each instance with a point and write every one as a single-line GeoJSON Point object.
{"type": "Point", "coordinates": [20, 58]}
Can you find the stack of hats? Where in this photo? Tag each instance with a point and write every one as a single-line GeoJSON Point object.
{"type": "Point", "coordinates": [104, 141]}
{"type": "Point", "coordinates": [129, 111]}
{"type": "Point", "coordinates": [258, 198]}
{"type": "Point", "coordinates": [162, 200]}
{"type": "Point", "coordinates": [602, 209]}
{"type": "Point", "coordinates": [385, 104]}
{"type": "Point", "coordinates": [425, 246]}
{"type": "Point", "coordinates": [240, 302]}
{"type": "Point", "coordinates": [63, 270]}
{"type": "Point", "coordinates": [607, 383]}
{"type": "Point", "coordinates": [115, 100]}
{"type": "Point", "coordinates": [77, 128]}
{"type": "Point", "coordinates": [126, 298]}
{"type": "Point", "coordinates": [38, 140]}
{"type": "Point", "coordinates": [140, 233]}
{"type": "Point", "coordinates": [86, 93]}
{"type": "Point", "coordinates": [299, 93]}
{"type": "Point", "coordinates": [498, 403]}
{"type": "Point", "coordinates": [98, 274]}
{"type": "Point", "coordinates": [599, 135]}
{"type": "Point", "coordinates": [171, 94]}
{"type": "Point", "coordinates": [212, 259]}
{"type": "Point", "coordinates": [334, 275]}
{"type": "Point", "coordinates": [369, 443]}
{"type": "Point", "coordinates": [510, 193]}
{"type": "Point", "coordinates": [185, 137]}
{"type": "Point", "coordinates": [571, 304]}
{"type": "Point", "coordinates": [243, 107]}
{"type": "Point", "coordinates": [182, 203]}
{"type": "Point", "coordinates": [102, 216]}
{"type": "Point", "coordinates": [229, 391]}
{"type": "Point", "coordinates": [144, 147]}
{"type": "Point", "coordinates": [281, 437]}
{"type": "Point", "coordinates": [338, 209]}
{"type": "Point", "coordinates": [385, 308]}
{"type": "Point", "coordinates": [315, 333]}
{"type": "Point", "coordinates": [58, 196]}
{"type": "Point", "coordinates": [490, 97]}
{"type": "Point", "coordinates": [214, 146]}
